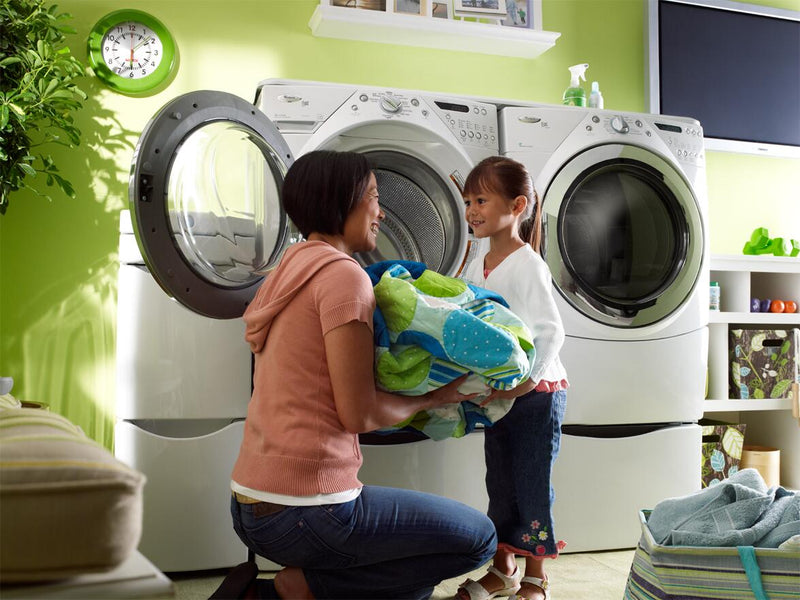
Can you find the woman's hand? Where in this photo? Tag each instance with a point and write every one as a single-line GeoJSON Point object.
{"type": "Point", "coordinates": [448, 394]}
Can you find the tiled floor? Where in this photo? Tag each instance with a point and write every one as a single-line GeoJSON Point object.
{"type": "Point", "coordinates": [583, 576]}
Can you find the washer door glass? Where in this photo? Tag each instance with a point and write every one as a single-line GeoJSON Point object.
{"type": "Point", "coordinates": [623, 235]}
{"type": "Point", "coordinates": [205, 192]}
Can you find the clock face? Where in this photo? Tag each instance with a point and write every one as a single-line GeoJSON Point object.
{"type": "Point", "coordinates": [132, 50]}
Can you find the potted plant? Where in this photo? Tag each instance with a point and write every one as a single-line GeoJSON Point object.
{"type": "Point", "coordinates": [38, 96]}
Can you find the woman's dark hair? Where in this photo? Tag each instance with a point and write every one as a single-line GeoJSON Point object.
{"type": "Point", "coordinates": [509, 178]}
{"type": "Point", "coordinates": [322, 187]}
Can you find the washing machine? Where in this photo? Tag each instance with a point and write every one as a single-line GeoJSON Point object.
{"type": "Point", "coordinates": [623, 215]}
{"type": "Point", "coordinates": [204, 224]}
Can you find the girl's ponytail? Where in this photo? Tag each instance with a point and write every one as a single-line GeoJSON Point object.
{"type": "Point", "coordinates": [530, 230]}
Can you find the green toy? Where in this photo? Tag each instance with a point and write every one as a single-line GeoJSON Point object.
{"type": "Point", "coordinates": [760, 243]}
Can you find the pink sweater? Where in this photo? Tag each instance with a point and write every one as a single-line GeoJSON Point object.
{"type": "Point", "coordinates": [293, 442]}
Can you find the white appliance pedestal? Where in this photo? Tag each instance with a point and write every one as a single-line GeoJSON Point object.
{"type": "Point", "coordinates": [601, 484]}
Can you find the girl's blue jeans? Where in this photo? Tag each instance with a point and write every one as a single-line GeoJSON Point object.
{"type": "Point", "coordinates": [521, 449]}
{"type": "Point", "coordinates": [387, 543]}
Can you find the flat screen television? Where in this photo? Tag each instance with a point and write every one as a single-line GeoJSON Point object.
{"type": "Point", "coordinates": [734, 67]}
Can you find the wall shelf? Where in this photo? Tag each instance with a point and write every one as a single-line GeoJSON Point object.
{"type": "Point", "coordinates": [746, 405]}
{"type": "Point", "coordinates": [444, 34]}
{"type": "Point", "coordinates": [770, 421]}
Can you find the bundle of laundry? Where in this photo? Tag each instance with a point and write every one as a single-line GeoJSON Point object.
{"type": "Point", "coordinates": [431, 329]}
{"type": "Point", "coordinates": [739, 511]}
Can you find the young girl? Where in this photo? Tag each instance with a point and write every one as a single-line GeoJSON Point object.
{"type": "Point", "coordinates": [502, 210]}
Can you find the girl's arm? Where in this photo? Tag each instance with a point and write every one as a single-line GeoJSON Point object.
{"type": "Point", "coordinates": [360, 406]}
{"type": "Point", "coordinates": [541, 314]}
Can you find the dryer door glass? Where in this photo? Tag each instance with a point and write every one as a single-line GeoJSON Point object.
{"type": "Point", "coordinates": [205, 200]}
{"type": "Point", "coordinates": [626, 246]}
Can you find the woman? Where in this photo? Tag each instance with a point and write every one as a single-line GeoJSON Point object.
{"type": "Point", "coordinates": [297, 498]}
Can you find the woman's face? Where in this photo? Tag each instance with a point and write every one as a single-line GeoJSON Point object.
{"type": "Point", "coordinates": [364, 221]}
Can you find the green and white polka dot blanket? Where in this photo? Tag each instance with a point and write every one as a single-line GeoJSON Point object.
{"type": "Point", "coordinates": [431, 329]}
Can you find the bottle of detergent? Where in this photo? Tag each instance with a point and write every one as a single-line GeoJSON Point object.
{"type": "Point", "coordinates": [575, 95]}
{"type": "Point", "coordinates": [595, 98]}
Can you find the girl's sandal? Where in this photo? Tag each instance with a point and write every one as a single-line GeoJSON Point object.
{"type": "Point", "coordinates": [540, 583]}
{"type": "Point", "coordinates": [477, 592]}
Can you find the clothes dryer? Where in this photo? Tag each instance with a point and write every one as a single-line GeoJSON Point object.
{"type": "Point", "coordinates": [204, 225]}
{"type": "Point", "coordinates": [624, 203]}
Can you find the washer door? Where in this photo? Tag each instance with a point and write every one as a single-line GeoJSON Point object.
{"type": "Point", "coordinates": [623, 235]}
{"type": "Point", "coordinates": [204, 192]}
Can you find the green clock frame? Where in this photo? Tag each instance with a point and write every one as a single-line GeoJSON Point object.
{"type": "Point", "coordinates": [126, 85]}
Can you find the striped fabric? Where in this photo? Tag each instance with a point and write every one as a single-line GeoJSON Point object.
{"type": "Point", "coordinates": [692, 572]}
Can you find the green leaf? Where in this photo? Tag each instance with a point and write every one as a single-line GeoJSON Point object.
{"type": "Point", "coordinates": [39, 97]}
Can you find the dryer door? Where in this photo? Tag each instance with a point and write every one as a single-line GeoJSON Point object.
{"type": "Point", "coordinates": [623, 235]}
{"type": "Point", "coordinates": [204, 195]}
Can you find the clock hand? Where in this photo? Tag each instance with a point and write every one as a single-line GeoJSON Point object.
{"type": "Point", "coordinates": [144, 41]}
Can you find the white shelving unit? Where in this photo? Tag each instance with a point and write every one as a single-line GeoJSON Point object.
{"type": "Point", "coordinates": [388, 27]}
{"type": "Point", "coordinates": [769, 421]}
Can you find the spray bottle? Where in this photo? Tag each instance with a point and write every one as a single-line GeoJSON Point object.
{"type": "Point", "coordinates": [596, 97]}
{"type": "Point", "coordinates": [575, 95]}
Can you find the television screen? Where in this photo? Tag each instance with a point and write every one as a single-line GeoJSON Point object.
{"type": "Point", "coordinates": [734, 67]}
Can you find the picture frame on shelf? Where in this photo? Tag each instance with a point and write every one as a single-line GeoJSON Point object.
{"type": "Point", "coordinates": [440, 9]}
{"type": "Point", "coordinates": [410, 7]}
{"type": "Point", "coordinates": [519, 14]}
{"type": "Point", "coordinates": [480, 9]}
{"type": "Point", "coordinates": [371, 4]}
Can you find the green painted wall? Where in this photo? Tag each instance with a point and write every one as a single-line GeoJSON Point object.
{"type": "Point", "coordinates": [58, 258]}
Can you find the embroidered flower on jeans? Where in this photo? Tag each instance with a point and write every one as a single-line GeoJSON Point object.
{"type": "Point", "coordinates": [526, 538]}
{"type": "Point", "coordinates": [543, 535]}
{"type": "Point", "coordinates": [534, 524]}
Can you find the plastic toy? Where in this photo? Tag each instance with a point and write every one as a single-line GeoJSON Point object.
{"type": "Point", "coordinates": [761, 243]}
{"type": "Point", "coordinates": [776, 306]}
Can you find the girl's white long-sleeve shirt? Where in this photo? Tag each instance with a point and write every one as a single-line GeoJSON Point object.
{"type": "Point", "coordinates": [524, 280]}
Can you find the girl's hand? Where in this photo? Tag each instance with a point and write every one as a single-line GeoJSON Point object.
{"type": "Point", "coordinates": [522, 389]}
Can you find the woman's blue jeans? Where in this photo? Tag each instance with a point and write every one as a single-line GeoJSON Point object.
{"type": "Point", "coordinates": [521, 449]}
{"type": "Point", "coordinates": [387, 543]}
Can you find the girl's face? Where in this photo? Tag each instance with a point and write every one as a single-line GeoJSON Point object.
{"type": "Point", "coordinates": [488, 213]}
{"type": "Point", "coordinates": [364, 221]}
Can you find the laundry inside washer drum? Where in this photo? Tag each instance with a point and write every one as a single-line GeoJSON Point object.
{"type": "Point", "coordinates": [421, 222]}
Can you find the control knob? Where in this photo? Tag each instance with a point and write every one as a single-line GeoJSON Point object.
{"type": "Point", "coordinates": [390, 104]}
{"type": "Point", "coordinates": [619, 125]}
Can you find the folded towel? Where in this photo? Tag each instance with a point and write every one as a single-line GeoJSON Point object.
{"type": "Point", "coordinates": [431, 329]}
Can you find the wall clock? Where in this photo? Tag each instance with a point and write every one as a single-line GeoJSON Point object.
{"type": "Point", "coordinates": [131, 51]}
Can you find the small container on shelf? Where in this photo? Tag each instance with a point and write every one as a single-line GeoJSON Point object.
{"type": "Point", "coordinates": [714, 296]}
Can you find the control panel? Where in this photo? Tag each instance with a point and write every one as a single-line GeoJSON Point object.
{"type": "Point", "coordinates": [684, 140]}
{"type": "Point", "coordinates": [473, 123]}
{"type": "Point", "coordinates": [303, 109]}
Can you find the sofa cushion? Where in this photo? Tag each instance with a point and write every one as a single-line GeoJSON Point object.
{"type": "Point", "coordinates": [67, 505]}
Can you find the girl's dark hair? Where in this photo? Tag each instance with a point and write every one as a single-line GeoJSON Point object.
{"type": "Point", "coordinates": [322, 187]}
{"type": "Point", "coordinates": [509, 178]}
